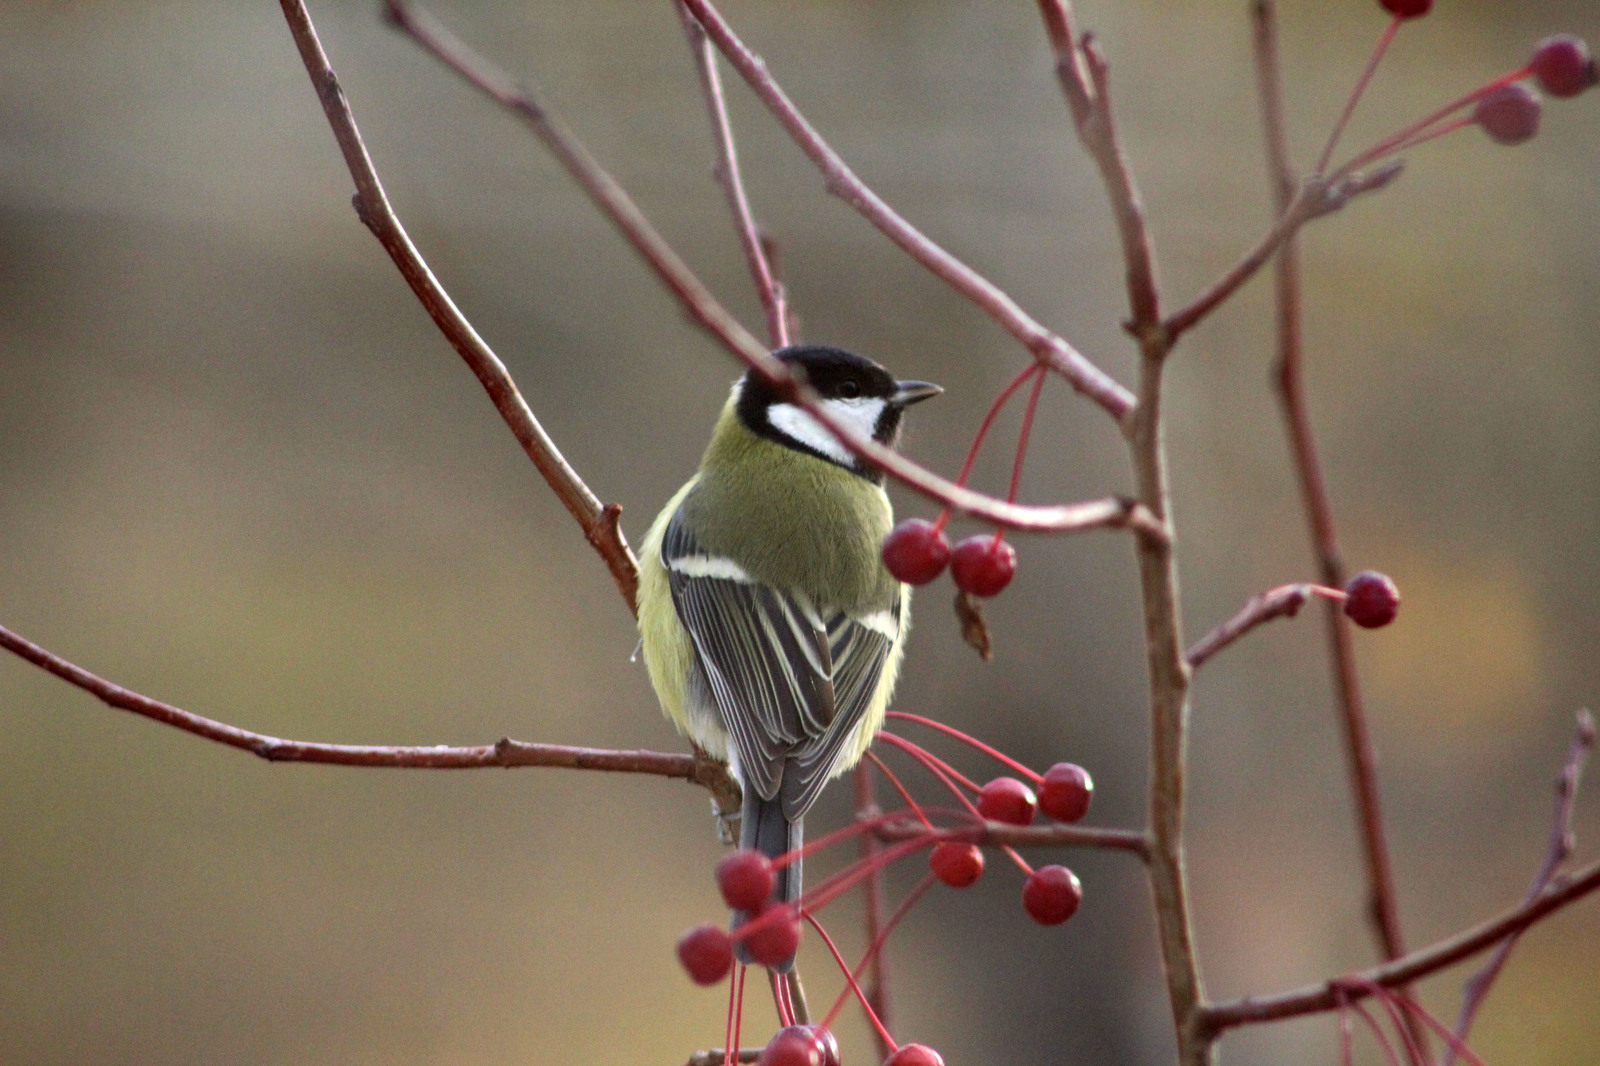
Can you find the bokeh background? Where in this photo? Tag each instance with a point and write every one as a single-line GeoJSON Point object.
{"type": "Point", "coordinates": [240, 471]}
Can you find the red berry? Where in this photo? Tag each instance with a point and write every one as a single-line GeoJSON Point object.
{"type": "Point", "coordinates": [1051, 894]}
{"type": "Point", "coordinates": [957, 865]}
{"type": "Point", "coordinates": [983, 565]}
{"type": "Point", "coordinates": [1371, 600]}
{"type": "Point", "coordinates": [707, 953]}
{"type": "Point", "coordinates": [775, 937]}
{"type": "Point", "coordinates": [916, 551]}
{"type": "Point", "coordinates": [746, 879]}
{"type": "Point", "coordinates": [795, 1045]}
{"type": "Point", "coordinates": [1065, 792]}
{"type": "Point", "coordinates": [914, 1055]}
{"type": "Point", "coordinates": [830, 1045]}
{"type": "Point", "coordinates": [1407, 9]}
{"type": "Point", "coordinates": [1563, 65]}
{"type": "Point", "coordinates": [1005, 799]}
{"type": "Point", "coordinates": [1509, 115]}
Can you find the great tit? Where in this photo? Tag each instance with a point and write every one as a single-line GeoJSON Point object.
{"type": "Point", "coordinates": [771, 629]}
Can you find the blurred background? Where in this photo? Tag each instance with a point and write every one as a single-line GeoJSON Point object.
{"type": "Point", "coordinates": [240, 471]}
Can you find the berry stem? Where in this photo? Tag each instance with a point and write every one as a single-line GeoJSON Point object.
{"type": "Point", "coordinates": [983, 431]}
{"type": "Point", "coordinates": [872, 1015]}
{"type": "Point", "coordinates": [731, 1042]}
{"type": "Point", "coordinates": [938, 767]}
{"type": "Point", "coordinates": [879, 941]}
{"type": "Point", "coordinates": [1408, 137]}
{"type": "Point", "coordinates": [780, 995]}
{"type": "Point", "coordinates": [870, 825]}
{"type": "Point", "coordinates": [1356, 93]}
{"type": "Point", "coordinates": [731, 1055]}
{"type": "Point", "coordinates": [846, 879]}
{"type": "Point", "coordinates": [1005, 760]}
{"type": "Point", "coordinates": [905, 795]}
{"type": "Point", "coordinates": [1022, 439]}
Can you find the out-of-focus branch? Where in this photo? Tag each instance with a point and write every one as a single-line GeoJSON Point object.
{"type": "Point", "coordinates": [1284, 601]}
{"type": "Point", "coordinates": [598, 522]}
{"type": "Point", "coordinates": [877, 987]}
{"type": "Point", "coordinates": [1085, 79]}
{"type": "Point", "coordinates": [1557, 852]}
{"type": "Point", "coordinates": [1000, 834]}
{"type": "Point", "coordinates": [718, 1056]}
{"type": "Point", "coordinates": [1048, 348]}
{"type": "Point", "coordinates": [1383, 910]}
{"type": "Point", "coordinates": [506, 753]}
{"type": "Point", "coordinates": [1313, 999]}
{"type": "Point", "coordinates": [774, 304]}
{"type": "Point", "coordinates": [704, 309]}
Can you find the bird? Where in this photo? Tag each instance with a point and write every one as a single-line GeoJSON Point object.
{"type": "Point", "coordinates": [771, 630]}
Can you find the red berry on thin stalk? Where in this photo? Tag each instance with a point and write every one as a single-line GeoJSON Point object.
{"type": "Point", "coordinates": [1563, 66]}
{"type": "Point", "coordinates": [914, 1055]}
{"type": "Point", "coordinates": [1065, 792]}
{"type": "Point", "coordinates": [1509, 115]}
{"type": "Point", "coordinates": [794, 1045]}
{"type": "Point", "coordinates": [1005, 799]}
{"type": "Point", "coordinates": [745, 879]}
{"type": "Point", "coordinates": [983, 565]}
{"type": "Point", "coordinates": [1051, 895]}
{"type": "Point", "coordinates": [957, 865]}
{"type": "Point", "coordinates": [707, 953]}
{"type": "Point", "coordinates": [777, 936]}
{"type": "Point", "coordinates": [1407, 9]}
{"type": "Point", "coordinates": [916, 551]}
{"type": "Point", "coordinates": [1371, 600]}
{"type": "Point", "coordinates": [830, 1045]}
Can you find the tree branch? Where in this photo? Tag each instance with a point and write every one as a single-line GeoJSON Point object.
{"type": "Point", "coordinates": [599, 523]}
{"type": "Point", "coordinates": [697, 769]}
{"type": "Point", "coordinates": [1049, 349]}
{"type": "Point", "coordinates": [1404, 970]}
{"type": "Point", "coordinates": [1284, 601]}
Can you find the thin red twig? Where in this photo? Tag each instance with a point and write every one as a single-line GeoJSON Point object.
{"type": "Point", "coordinates": [844, 968]}
{"type": "Point", "coordinates": [872, 904]}
{"type": "Point", "coordinates": [971, 741]}
{"type": "Point", "coordinates": [1384, 41]}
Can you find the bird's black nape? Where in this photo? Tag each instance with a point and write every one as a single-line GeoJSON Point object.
{"type": "Point", "coordinates": [835, 374]}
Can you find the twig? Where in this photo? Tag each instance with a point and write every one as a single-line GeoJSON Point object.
{"type": "Point", "coordinates": [1284, 601]}
{"type": "Point", "coordinates": [1000, 834]}
{"type": "Point", "coordinates": [872, 888]}
{"type": "Point", "coordinates": [1319, 511]}
{"type": "Point", "coordinates": [1048, 348]}
{"type": "Point", "coordinates": [599, 523]}
{"type": "Point", "coordinates": [717, 1056]}
{"type": "Point", "coordinates": [773, 302]}
{"type": "Point", "coordinates": [1557, 852]}
{"type": "Point", "coordinates": [1404, 970]}
{"type": "Point", "coordinates": [506, 753]}
{"type": "Point", "coordinates": [704, 309]}
{"type": "Point", "coordinates": [1085, 79]}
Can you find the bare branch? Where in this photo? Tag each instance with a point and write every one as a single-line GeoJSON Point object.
{"type": "Point", "coordinates": [1406, 969]}
{"type": "Point", "coordinates": [1047, 348]}
{"type": "Point", "coordinates": [704, 308]}
{"type": "Point", "coordinates": [718, 1056]}
{"type": "Point", "coordinates": [1284, 601]}
{"type": "Point", "coordinates": [773, 299]}
{"type": "Point", "coordinates": [1557, 852]}
{"type": "Point", "coordinates": [877, 987]}
{"type": "Point", "coordinates": [505, 753]}
{"type": "Point", "coordinates": [599, 523]}
{"type": "Point", "coordinates": [1001, 834]}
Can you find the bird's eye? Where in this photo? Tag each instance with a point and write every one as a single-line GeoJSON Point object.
{"type": "Point", "coordinates": [849, 390]}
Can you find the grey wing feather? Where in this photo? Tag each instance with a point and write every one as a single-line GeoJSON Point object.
{"type": "Point", "coordinates": [791, 686]}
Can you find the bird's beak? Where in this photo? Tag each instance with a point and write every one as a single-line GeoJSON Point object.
{"type": "Point", "coordinates": [910, 392]}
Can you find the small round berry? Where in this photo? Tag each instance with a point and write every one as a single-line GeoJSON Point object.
{"type": "Point", "coordinates": [1051, 895]}
{"type": "Point", "coordinates": [794, 1045]}
{"type": "Point", "coordinates": [957, 865]}
{"type": "Point", "coordinates": [1371, 600]}
{"type": "Point", "coordinates": [1563, 66]}
{"type": "Point", "coordinates": [776, 937]}
{"type": "Point", "coordinates": [830, 1045]}
{"type": "Point", "coordinates": [914, 1055]}
{"type": "Point", "coordinates": [707, 953]}
{"type": "Point", "coordinates": [916, 551]}
{"type": "Point", "coordinates": [1509, 115]}
{"type": "Point", "coordinates": [745, 879]}
{"type": "Point", "coordinates": [983, 565]}
{"type": "Point", "coordinates": [1407, 9]}
{"type": "Point", "coordinates": [1065, 792]}
{"type": "Point", "coordinates": [1005, 799]}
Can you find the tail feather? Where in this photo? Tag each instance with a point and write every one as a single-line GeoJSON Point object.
{"type": "Point", "coordinates": [766, 830]}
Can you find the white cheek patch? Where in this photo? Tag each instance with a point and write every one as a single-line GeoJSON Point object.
{"type": "Point", "coordinates": [860, 414]}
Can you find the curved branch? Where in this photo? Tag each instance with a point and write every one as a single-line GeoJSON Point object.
{"type": "Point", "coordinates": [1418, 964]}
{"type": "Point", "coordinates": [696, 769]}
{"type": "Point", "coordinates": [598, 522]}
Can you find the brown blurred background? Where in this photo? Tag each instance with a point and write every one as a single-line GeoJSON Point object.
{"type": "Point", "coordinates": [240, 471]}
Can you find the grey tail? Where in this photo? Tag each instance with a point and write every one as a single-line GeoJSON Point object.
{"type": "Point", "coordinates": [765, 829]}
